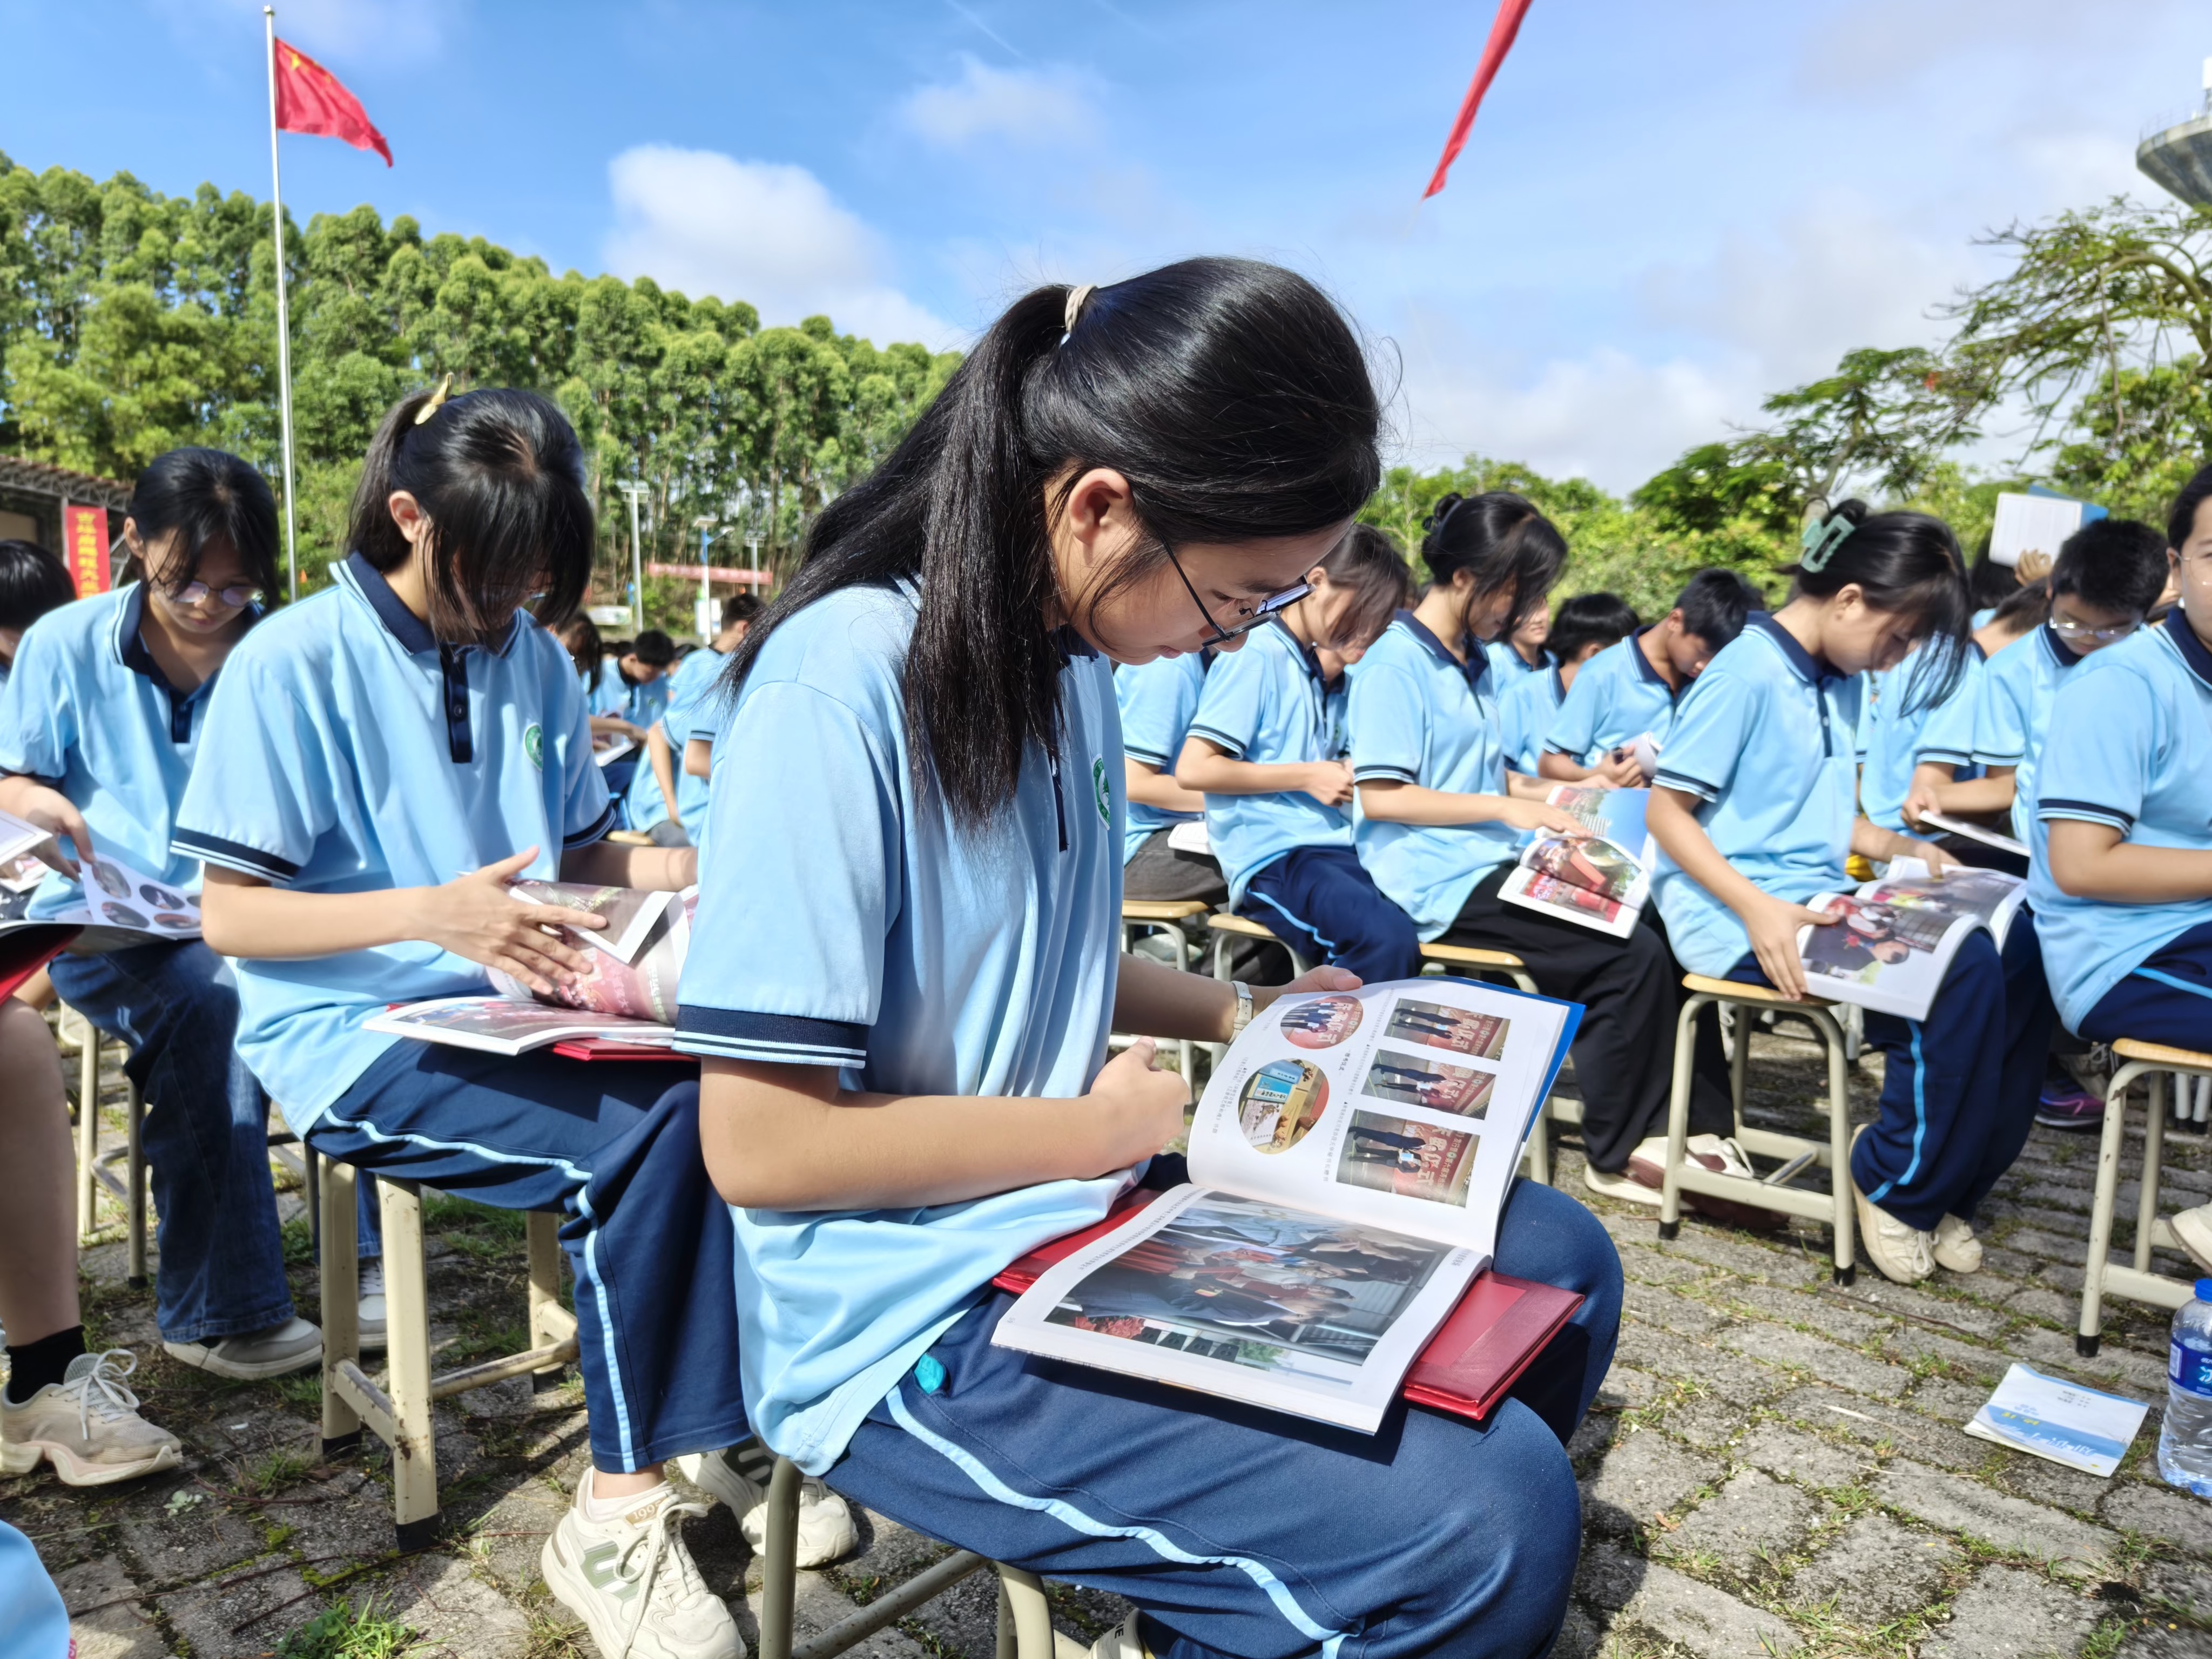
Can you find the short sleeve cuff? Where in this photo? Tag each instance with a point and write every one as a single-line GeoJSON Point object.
{"type": "Point", "coordinates": [595, 831]}
{"type": "Point", "coordinates": [233, 855]}
{"type": "Point", "coordinates": [1383, 769]}
{"type": "Point", "coordinates": [779, 1039]}
{"type": "Point", "coordinates": [1683, 782]}
{"type": "Point", "coordinates": [2088, 811]}
{"type": "Point", "coordinates": [1146, 756]}
{"type": "Point", "coordinates": [1941, 757]}
{"type": "Point", "coordinates": [1232, 747]}
{"type": "Point", "coordinates": [1990, 757]}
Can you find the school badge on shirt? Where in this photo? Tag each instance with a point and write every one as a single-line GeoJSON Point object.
{"type": "Point", "coordinates": [1103, 790]}
{"type": "Point", "coordinates": [533, 744]}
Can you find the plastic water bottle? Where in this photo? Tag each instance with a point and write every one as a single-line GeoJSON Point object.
{"type": "Point", "coordinates": [2184, 1444]}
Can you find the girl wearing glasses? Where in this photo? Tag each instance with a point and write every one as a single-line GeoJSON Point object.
{"type": "Point", "coordinates": [99, 731]}
{"type": "Point", "coordinates": [906, 962]}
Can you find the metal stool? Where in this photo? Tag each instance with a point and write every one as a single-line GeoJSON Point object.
{"type": "Point", "coordinates": [1475, 962]}
{"type": "Point", "coordinates": [1168, 917]}
{"type": "Point", "coordinates": [1024, 1616]}
{"type": "Point", "coordinates": [401, 1418]}
{"type": "Point", "coordinates": [1797, 1152]}
{"type": "Point", "coordinates": [2152, 1232]}
{"type": "Point", "coordinates": [1227, 927]}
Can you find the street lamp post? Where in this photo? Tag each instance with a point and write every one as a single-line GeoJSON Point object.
{"type": "Point", "coordinates": [705, 527]}
{"type": "Point", "coordinates": [634, 492]}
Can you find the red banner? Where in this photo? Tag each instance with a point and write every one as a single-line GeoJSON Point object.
{"type": "Point", "coordinates": [84, 548]}
{"type": "Point", "coordinates": [692, 573]}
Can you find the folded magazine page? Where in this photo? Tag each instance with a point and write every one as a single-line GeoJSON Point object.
{"type": "Point", "coordinates": [1587, 880]}
{"type": "Point", "coordinates": [631, 913]}
{"type": "Point", "coordinates": [1895, 936]}
{"type": "Point", "coordinates": [119, 900]}
{"type": "Point", "coordinates": [1615, 814]}
{"type": "Point", "coordinates": [1348, 1161]}
{"type": "Point", "coordinates": [1972, 831]}
{"type": "Point", "coordinates": [510, 1025]}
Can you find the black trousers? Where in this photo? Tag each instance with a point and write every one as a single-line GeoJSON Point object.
{"type": "Point", "coordinates": [1631, 990]}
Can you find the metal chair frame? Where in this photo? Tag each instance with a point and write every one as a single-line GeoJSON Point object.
{"type": "Point", "coordinates": [2136, 1282]}
{"type": "Point", "coordinates": [1169, 917]}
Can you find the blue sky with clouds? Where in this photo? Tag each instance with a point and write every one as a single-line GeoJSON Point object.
{"type": "Point", "coordinates": [1665, 211]}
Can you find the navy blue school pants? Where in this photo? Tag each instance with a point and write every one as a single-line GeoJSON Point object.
{"type": "Point", "coordinates": [1324, 905]}
{"type": "Point", "coordinates": [616, 1147]}
{"type": "Point", "coordinates": [2167, 999]}
{"type": "Point", "coordinates": [1253, 1532]}
{"type": "Point", "coordinates": [1959, 1088]}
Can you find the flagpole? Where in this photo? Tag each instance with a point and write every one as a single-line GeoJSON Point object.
{"type": "Point", "coordinates": [283, 320]}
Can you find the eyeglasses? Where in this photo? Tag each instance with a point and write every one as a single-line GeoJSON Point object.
{"type": "Point", "coordinates": [235, 598]}
{"type": "Point", "coordinates": [2081, 633]}
{"type": "Point", "coordinates": [1249, 617]}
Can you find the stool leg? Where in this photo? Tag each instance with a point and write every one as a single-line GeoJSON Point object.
{"type": "Point", "coordinates": [1678, 1120]}
{"type": "Point", "coordinates": [340, 1274]}
{"type": "Point", "coordinates": [134, 1182]}
{"type": "Point", "coordinates": [1738, 1072]}
{"type": "Point", "coordinates": [543, 1229]}
{"type": "Point", "coordinates": [2089, 1333]}
{"type": "Point", "coordinates": [1025, 1615]}
{"type": "Point", "coordinates": [87, 1126]}
{"type": "Point", "coordinates": [2154, 1147]}
{"type": "Point", "coordinates": [780, 1561]}
{"type": "Point", "coordinates": [1182, 950]}
{"type": "Point", "coordinates": [407, 1357]}
{"type": "Point", "coordinates": [1839, 1153]}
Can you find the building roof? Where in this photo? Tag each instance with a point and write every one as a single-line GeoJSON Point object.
{"type": "Point", "coordinates": [37, 478]}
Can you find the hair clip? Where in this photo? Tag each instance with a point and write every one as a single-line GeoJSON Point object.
{"type": "Point", "coordinates": [1821, 542]}
{"type": "Point", "coordinates": [437, 400]}
{"type": "Point", "coordinates": [1076, 296]}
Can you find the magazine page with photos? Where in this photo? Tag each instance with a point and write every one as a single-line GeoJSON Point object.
{"type": "Point", "coordinates": [1348, 1162]}
{"type": "Point", "coordinates": [1616, 814]}
{"type": "Point", "coordinates": [1992, 896]}
{"type": "Point", "coordinates": [639, 985]}
{"type": "Point", "coordinates": [1588, 880]}
{"type": "Point", "coordinates": [631, 913]}
{"type": "Point", "coordinates": [510, 1025]}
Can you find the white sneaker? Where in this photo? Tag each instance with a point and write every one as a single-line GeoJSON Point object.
{"type": "Point", "coordinates": [294, 1346]}
{"type": "Point", "coordinates": [86, 1426]}
{"type": "Point", "coordinates": [2194, 1229]}
{"type": "Point", "coordinates": [634, 1584]}
{"type": "Point", "coordinates": [1955, 1248]}
{"type": "Point", "coordinates": [371, 1310]}
{"type": "Point", "coordinates": [1623, 1186]}
{"type": "Point", "coordinates": [1122, 1642]}
{"type": "Point", "coordinates": [738, 1478]}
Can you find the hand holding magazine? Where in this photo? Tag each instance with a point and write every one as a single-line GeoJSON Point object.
{"type": "Point", "coordinates": [1897, 935]}
{"type": "Point", "coordinates": [1349, 1161]}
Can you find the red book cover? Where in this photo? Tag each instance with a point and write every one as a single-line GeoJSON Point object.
{"type": "Point", "coordinates": [608, 1049]}
{"type": "Point", "coordinates": [25, 950]}
{"type": "Point", "coordinates": [1500, 1325]}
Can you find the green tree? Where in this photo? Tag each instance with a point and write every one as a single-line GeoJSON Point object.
{"type": "Point", "coordinates": [1877, 425]}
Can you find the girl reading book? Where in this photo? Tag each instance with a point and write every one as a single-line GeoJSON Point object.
{"type": "Point", "coordinates": [906, 966]}
{"type": "Point", "coordinates": [1754, 812]}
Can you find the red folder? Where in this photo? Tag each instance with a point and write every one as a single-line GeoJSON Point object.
{"type": "Point", "coordinates": [1500, 1325]}
{"type": "Point", "coordinates": [608, 1049]}
{"type": "Point", "coordinates": [24, 951]}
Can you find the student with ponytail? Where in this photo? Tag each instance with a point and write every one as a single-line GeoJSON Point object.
{"type": "Point", "coordinates": [907, 964]}
{"type": "Point", "coordinates": [1754, 812]}
{"type": "Point", "coordinates": [398, 749]}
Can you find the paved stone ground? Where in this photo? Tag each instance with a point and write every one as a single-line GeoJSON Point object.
{"type": "Point", "coordinates": [1776, 1465]}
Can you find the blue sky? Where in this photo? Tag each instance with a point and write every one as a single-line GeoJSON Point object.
{"type": "Point", "coordinates": [1665, 212]}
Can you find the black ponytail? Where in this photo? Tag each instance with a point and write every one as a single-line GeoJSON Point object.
{"type": "Point", "coordinates": [1907, 561]}
{"type": "Point", "coordinates": [1233, 397]}
{"type": "Point", "coordinates": [1503, 544]}
{"type": "Point", "coordinates": [500, 476]}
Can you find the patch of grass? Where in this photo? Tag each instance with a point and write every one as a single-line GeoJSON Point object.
{"type": "Point", "coordinates": [444, 1213]}
{"type": "Point", "coordinates": [349, 1631]}
{"type": "Point", "coordinates": [300, 1389]}
{"type": "Point", "coordinates": [299, 1243]}
{"type": "Point", "coordinates": [274, 1472]}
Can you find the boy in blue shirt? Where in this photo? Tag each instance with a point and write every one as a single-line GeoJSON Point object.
{"type": "Point", "coordinates": [666, 774]}
{"type": "Point", "coordinates": [1156, 701]}
{"type": "Point", "coordinates": [1588, 624]}
{"type": "Point", "coordinates": [2122, 877]}
{"type": "Point", "coordinates": [1631, 689]}
{"type": "Point", "coordinates": [633, 687]}
{"type": "Point", "coordinates": [1943, 753]}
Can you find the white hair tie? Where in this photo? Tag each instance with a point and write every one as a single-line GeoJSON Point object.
{"type": "Point", "coordinates": [1076, 296]}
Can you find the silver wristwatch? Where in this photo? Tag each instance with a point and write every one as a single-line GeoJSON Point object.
{"type": "Point", "coordinates": [1244, 1014]}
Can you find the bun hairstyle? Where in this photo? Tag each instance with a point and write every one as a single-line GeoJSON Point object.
{"type": "Point", "coordinates": [500, 476]}
{"type": "Point", "coordinates": [1367, 561]}
{"type": "Point", "coordinates": [188, 501]}
{"type": "Point", "coordinates": [1232, 394]}
{"type": "Point", "coordinates": [1503, 542]}
{"type": "Point", "coordinates": [1907, 561]}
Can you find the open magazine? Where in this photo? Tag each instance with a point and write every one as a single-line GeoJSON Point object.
{"type": "Point", "coordinates": [627, 996]}
{"type": "Point", "coordinates": [1602, 881]}
{"type": "Point", "coordinates": [126, 905]}
{"type": "Point", "coordinates": [1348, 1161]}
{"type": "Point", "coordinates": [1897, 934]}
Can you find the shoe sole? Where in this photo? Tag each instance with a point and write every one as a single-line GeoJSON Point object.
{"type": "Point", "coordinates": [2200, 1251]}
{"type": "Point", "coordinates": [1636, 1192]}
{"type": "Point", "coordinates": [23, 1457]}
{"type": "Point", "coordinates": [200, 1359]}
{"type": "Point", "coordinates": [2077, 1124]}
{"type": "Point", "coordinates": [1751, 1218]}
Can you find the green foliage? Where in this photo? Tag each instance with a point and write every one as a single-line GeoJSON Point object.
{"type": "Point", "coordinates": [344, 1632]}
{"type": "Point", "coordinates": [131, 322]}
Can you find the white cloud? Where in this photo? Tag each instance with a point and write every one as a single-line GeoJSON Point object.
{"type": "Point", "coordinates": [1032, 108]}
{"type": "Point", "coordinates": [764, 231]}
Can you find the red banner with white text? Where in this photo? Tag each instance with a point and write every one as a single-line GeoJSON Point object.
{"type": "Point", "coordinates": [84, 545]}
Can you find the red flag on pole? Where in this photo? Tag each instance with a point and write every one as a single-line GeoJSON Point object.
{"type": "Point", "coordinates": [309, 100]}
{"type": "Point", "coordinates": [1507, 24]}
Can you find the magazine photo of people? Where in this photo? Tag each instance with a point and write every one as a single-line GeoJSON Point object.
{"type": "Point", "coordinates": [1320, 1022]}
{"type": "Point", "coordinates": [1406, 1079]}
{"type": "Point", "coordinates": [1403, 1156]}
{"type": "Point", "coordinates": [1282, 1100]}
{"type": "Point", "coordinates": [1458, 1029]}
{"type": "Point", "coordinates": [1255, 1285]}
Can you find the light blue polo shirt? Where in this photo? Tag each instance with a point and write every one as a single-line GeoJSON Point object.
{"type": "Point", "coordinates": [1947, 736]}
{"type": "Point", "coordinates": [1526, 709]}
{"type": "Point", "coordinates": [1268, 703]}
{"type": "Point", "coordinates": [1616, 698]}
{"type": "Point", "coordinates": [845, 920]}
{"type": "Point", "coordinates": [358, 755]}
{"type": "Point", "coordinates": [1764, 738]}
{"type": "Point", "coordinates": [689, 693]}
{"type": "Point", "coordinates": [616, 697]}
{"type": "Point", "coordinates": [2129, 744]}
{"type": "Point", "coordinates": [2012, 713]}
{"type": "Point", "coordinates": [1508, 667]}
{"type": "Point", "coordinates": [88, 711]}
{"type": "Point", "coordinates": [1156, 701]}
{"type": "Point", "coordinates": [1896, 720]}
{"type": "Point", "coordinates": [1420, 715]}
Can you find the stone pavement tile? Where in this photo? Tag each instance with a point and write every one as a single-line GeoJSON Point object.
{"type": "Point", "coordinates": [1626, 1388]}
{"type": "Point", "coordinates": [2011, 1264]}
{"type": "Point", "coordinates": [2051, 1244]}
{"type": "Point", "coordinates": [819, 1604]}
{"type": "Point", "coordinates": [444, 1602]}
{"type": "Point", "coordinates": [2162, 1514]}
{"type": "Point", "coordinates": [1944, 1397]}
{"type": "Point", "coordinates": [107, 1632]}
{"type": "Point", "coordinates": [2185, 1585]}
{"type": "Point", "coordinates": [1875, 1570]}
{"type": "Point", "coordinates": [2136, 1373]}
{"type": "Point", "coordinates": [1912, 1342]}
{"type": "Point", "coordinates": [2040, 1302]}
{"type": "Point", "coordinates": [1780, 1449]}
{"type": "Point", "coordinates": [1593, 1437]}
{"type": "Point", "coordinates": [1874, 1293]}
{"type": "Point", "coordinates": [1750, 1514]}
{"type": "Point", "coordinates": [1648, 1266]}
{"type": "Point", "coordinates": [1956, 1505]}
{"type": "Point", "coordinates": [1579, 1636]}
{"type": "Point", "coordinates": [1732, 1377]}
{"type": "Point", "coordinates": [1644, 1475]}
{"type": "Point", "coordinates": [1778, 1344]}
{"type": "Point", "coordinates": [192, 1543]}
{"type": "Point", "coordinates": [1721, 1248]}
{"type": "Point", "coordinates": [1706, 1421]}
{"type": "Point", "coordinates": [2043, 1482]}
{"type": "Point", "coordinates": [1823, 1313]}
{"type": "Point", "coordinates": [1708, 1622]}
{"type": "Point", "coordinates": [2005, 1613]}
{"type": "Point", "coordinates": [2166, 1641]}
{"type": "Point", "coordinates": [1874, 1423]}
{"type": "Point", "coordinates": [228, 1618]}
{"type": "Point", "coordinates": [1676, 1313]}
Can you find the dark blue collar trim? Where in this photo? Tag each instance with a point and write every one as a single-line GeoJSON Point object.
{"type": "Point", "coordinates": [1809, 668]}
{"type": "Point", "coordinates": [1644, 671]}
{"type": "Point", "coordinates": [1073, 647]}
{"type": "Point", "coordinates": [404, 625]}
{"type": "Point", "coordinates": [2063, 654]}
{"type": "Point", "coordinates": [1975, 646]}
{"type": "Point", "coordinates": [132, 651]}
{"type": "Point", "coordinates": [1478, 659]}
{"type": "Point", "coordinates": [2191, 648]}
{"type": "Point", "coordinates": [1558, 684]}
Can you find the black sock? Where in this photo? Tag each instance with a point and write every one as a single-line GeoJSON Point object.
{"type": "Point", "coordinates": [32, 1365]}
